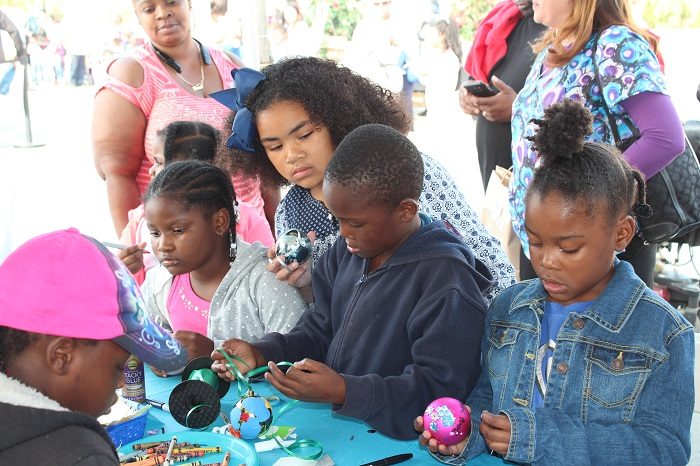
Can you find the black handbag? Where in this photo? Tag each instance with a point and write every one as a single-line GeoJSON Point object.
{"type": "Point", "coordinates": [673, 193]}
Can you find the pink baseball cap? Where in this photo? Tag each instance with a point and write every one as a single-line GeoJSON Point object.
{"type": "Point", "coordinates": [68, 284]}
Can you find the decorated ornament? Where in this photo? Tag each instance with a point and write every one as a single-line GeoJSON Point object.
{"type": "Point", "coordinates": [293, 246]}
{"type": "Point", "coordinates": [448, 420]}
{"type": "Point", "coordinates": [251, 416]}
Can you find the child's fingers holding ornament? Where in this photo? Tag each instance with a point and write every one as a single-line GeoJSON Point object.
{"type": "Point", "coordinates": [427, 440]}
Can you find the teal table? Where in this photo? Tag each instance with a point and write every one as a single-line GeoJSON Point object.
{"type": "Point", "coordinates": [346, 440]}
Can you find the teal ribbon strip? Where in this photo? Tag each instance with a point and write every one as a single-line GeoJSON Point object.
{"type": "Point", "coordinates": [244, 381]}
{"type": "Point", "coordinates": [191, 411]}
{"type": "Point", "coordinates": [207, 376]}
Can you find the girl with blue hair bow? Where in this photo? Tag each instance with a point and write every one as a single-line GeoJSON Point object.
{"type": "Point", "coordinates": [287, 122]}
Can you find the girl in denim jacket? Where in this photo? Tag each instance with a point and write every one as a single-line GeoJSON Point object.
{"type": "Point", "coordinates": [584, 365]}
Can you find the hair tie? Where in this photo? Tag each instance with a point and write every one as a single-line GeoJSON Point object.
{"type": "Point", "coordinates": [244, 133]}
{"type": "Point", "coordinates": [643, 210]}
{"type": "Point", "coordinates": [236, 212]}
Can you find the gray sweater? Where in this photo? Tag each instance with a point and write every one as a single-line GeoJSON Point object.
{"type": "Point", "coordinates": [35, 430]}
{"type": "Point", "coordinates": [249, 302]}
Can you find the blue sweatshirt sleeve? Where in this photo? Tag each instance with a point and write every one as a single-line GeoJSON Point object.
{"type": "Point", "coordinates": [445, 337]}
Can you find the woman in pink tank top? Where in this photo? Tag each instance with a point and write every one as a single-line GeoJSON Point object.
{"type": "Point", "coordinates": [165, 80]}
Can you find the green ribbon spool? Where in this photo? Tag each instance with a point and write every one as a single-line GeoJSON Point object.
{"type": "Point", "coordinates": [243, 384]}
{"type": "Point", "coordinates": [210, 378]}
{"type": "Point", "coordinates": [195, 402]}
{"type": "Point", "coordinates": [207, 376]}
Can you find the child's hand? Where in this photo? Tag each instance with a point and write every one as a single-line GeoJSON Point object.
{"type": "Point", "coordinates": [295, 274]}
{"type": "Point", "coordinates": [241, 349]}
{"type": "Point", "coordinates": [308, 380]}
{"type": "Point", "coordinates": [432, 444]}
{"type": "Point", "coordinates": [132, 257]}
{"type": "Point", "coordinates": [496, 431]}
{"type": "Point", "coordinates": [196, 344]}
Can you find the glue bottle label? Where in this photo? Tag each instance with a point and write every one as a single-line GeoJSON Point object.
{"type": "Point", "coordinates": [134, 380]}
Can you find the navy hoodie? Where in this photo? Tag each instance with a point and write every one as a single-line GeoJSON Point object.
{"type": "Point", "coordinates": [402, 335]}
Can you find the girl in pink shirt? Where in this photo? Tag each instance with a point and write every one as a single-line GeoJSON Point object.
{"type": "Point", "coordinates": [185, 140]}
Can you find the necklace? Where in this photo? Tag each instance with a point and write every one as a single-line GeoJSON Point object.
{"type": "Point", "coordinates": [168, 60]}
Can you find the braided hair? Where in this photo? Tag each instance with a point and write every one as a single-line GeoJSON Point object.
{"type": "Point", "coordinates": [581, 170]}
{"type": "Point", "coordinates": [197, 184]}
{"type": "Point", "coordinates": [189, 140]}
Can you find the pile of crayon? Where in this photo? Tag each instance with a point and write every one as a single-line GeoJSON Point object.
{"type": "Point", "coordinates": [171, 453]}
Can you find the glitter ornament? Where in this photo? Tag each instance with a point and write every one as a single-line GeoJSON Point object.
{"type": "Point", "coordinates": [448, 420]}
{"type": "Point", "coordinates": [251, 416]}
{"type": "Point", "coordinates": [294, 246]}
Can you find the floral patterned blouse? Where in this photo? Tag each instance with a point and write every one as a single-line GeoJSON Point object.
{"type": "Point", "coordinates": [626, 65]}
{"type": "Point", "coordinates": [440, 199]}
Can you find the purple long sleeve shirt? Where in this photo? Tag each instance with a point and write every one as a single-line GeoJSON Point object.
{"type": "Point", "coordinates": [661, 132]}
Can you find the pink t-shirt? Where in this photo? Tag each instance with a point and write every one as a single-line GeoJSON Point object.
{"type": "Point", "coordinates": [162, 101]}
{"type": "Point", "coordinates": [187, 310]}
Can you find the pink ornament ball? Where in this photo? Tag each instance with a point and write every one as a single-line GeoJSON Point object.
{"type": "Point", "coordinates": [448, 420]}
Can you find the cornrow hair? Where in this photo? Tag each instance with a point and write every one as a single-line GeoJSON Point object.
{"type": "Point", "coordinates": [378, 163]}
{"type": "Point", "coordinates": [12, 343]}
{"type": "Point", "coordinates": [196, 184]}
{"type": "Point", "coordinates": [332, 95]}
{"type": "Point", "coordinates": [581, 170]}
{"type": "Point", "coordinates": [189, 140]}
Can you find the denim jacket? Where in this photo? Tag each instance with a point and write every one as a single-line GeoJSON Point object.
{"type": "Point", "coordinates": [621, 386]}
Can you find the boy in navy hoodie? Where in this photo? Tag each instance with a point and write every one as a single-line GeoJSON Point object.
{"type": "Point", "coordinates": [398, 298]}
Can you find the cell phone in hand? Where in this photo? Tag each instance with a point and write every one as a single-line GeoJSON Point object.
{"type": "Point", "coordinates": [479, 88]}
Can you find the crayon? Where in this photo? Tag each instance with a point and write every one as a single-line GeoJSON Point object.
{"type": "Point", "coordinates": [143, 446]}
{"type": "Point", "coordinates": [227, 458]}
{"type": "Point", "coordinates": [155, 461]}
{"type": "Point", "coordinates": [163, 448]}
{"type": "Point", "coordinates": [202, 449]}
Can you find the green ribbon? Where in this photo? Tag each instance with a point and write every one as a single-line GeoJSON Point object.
{"type": "Point", "coordinates": [210, 378]}
{"type": "Point", "coordinates": [243, 384]}
{"type": "Point", "coordinates": [207, 376]}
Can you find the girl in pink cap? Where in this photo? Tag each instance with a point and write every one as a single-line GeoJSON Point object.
{"type": "Point", "coordinates": [64, 342]}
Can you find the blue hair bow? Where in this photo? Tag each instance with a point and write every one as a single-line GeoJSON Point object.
{"type": "Point", "coordinates": [243, 131]}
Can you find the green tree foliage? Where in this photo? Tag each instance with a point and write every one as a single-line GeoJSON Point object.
{"type": "Point", "coordinates": [672, 14]}
{"type": "Point", "coordinates": [343, 16]}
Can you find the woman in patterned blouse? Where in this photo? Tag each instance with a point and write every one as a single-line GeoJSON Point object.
{"type": "Point", "coordinates": [586, 36]}
{"type": "Point", "coordinates": [302, 108]}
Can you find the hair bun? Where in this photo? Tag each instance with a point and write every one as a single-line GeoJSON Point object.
{"type": "Point", "coordinates": [562, 131]}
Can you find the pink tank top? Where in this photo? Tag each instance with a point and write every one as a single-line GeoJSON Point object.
{"type": "Point", "coordinates": [162, 101]}
{"type": "Point", "coordinates": [187, 310]}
